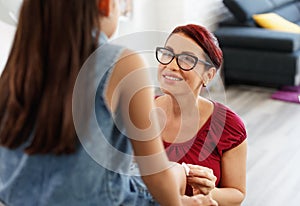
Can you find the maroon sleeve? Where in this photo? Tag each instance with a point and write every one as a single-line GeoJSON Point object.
{"type": "Point", "coordinates": [234, 131]}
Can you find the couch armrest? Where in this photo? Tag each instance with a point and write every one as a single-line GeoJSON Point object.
{"type": "Point", "coordinates": [233, 22]}
{"type": "Point", "coordinates": [258, 38]}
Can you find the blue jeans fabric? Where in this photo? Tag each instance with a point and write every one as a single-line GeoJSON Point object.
{"type": "Point", "coordinates": [77, 179]}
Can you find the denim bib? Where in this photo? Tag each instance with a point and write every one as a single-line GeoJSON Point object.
{"type": "Point", "coordinates": [77, 179]}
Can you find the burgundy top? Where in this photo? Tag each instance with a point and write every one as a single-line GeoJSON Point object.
{"type": "Point", "coordinates": [223, 131]}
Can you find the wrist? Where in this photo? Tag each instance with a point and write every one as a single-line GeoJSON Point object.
{"type": "Point", "coordinates": [213, 193]}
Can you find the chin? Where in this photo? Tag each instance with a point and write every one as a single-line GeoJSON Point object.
{"type": "Point", "coordinates": [170, 91]}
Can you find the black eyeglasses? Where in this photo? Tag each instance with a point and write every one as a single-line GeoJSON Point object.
{"type": "Point", "coordinates": [185, 62]}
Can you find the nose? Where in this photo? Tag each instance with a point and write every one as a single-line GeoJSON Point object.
{"type": "Point", "coordinates": [173, 65]}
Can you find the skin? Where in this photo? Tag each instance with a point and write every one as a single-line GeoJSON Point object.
{"type": "Point", "coordinates": [185, 112]}
{"type": "Point", "coordinates": [167, 185]}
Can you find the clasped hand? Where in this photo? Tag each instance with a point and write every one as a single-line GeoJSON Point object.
{"type": "Point", "coordinates": [201, 179]}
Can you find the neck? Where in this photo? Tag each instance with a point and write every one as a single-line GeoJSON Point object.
{"type": "Point", "coordinates": [184, 106]}
{"type": "Point", "coordinates": [183, 117]}
{"type": "Point", "coordinates": [106, 27]}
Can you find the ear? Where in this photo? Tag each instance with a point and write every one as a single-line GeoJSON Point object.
{"type": "Point", "coordinates": [210, 74]}
{"type": "Point", "coordinates": [104, 7]}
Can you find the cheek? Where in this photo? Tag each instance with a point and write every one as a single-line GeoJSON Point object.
{"type": "Point", "coordinates": [195, 79]}
{"type": "Point", "coordinates": [159, 70]}
{"type": "Point", "coordinates": [198, 73]}
{"type": "Point", "coordinates": [161, 67]}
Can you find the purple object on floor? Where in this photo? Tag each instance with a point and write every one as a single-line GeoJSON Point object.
{"type": "Point", "coordinates": [288, 94]}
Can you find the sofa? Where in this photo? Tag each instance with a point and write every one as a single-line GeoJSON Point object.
{"type": "Point", "coordinates": [255, 54]}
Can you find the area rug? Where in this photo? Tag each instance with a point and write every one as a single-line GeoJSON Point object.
{"type": "Point", "coordinates": [288, 94]}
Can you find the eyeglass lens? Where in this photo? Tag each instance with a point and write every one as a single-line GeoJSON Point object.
{"type": "Point", "coordinates": [184, 61]}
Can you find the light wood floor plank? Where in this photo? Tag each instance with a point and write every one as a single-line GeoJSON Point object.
{"type": "Point", "coordinates": [273, 169]}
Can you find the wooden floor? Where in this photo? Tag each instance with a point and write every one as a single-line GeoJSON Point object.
{"type": "Point", "coordinates": [273, 170]}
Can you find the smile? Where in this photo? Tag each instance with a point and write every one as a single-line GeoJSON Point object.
{"type": "Point", "coordinates": [172, 78]}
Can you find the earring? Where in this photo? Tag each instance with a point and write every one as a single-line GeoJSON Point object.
{"type": "Point", "coordinates": [204, 84]}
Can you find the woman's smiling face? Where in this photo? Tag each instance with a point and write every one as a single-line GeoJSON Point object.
{"type": "Point", "coordinates": [176, 81]}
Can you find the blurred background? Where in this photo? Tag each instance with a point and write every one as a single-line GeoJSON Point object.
{"type": "Point", "coordinates": [145, 15]}
{"type": "Point", "coordinates": [272, 126]}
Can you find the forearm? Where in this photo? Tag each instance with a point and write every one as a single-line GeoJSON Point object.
{"type": "Point", "coordinates": [167, 187]}
{"type": "Point", "coordinates": [228, 196]}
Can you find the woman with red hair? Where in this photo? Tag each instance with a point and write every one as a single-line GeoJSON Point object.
{"type": "Point", "coordinates": [205, 134]}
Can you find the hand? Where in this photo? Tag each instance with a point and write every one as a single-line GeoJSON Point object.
{"type": "Point", "coordinates": [202, 179]}
{"type": "Point", "coordinates": [198, 200]}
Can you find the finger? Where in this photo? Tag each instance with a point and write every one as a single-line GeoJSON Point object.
{"type": "Point", "coordinates": [201, 182]}
{"type": "Point", "coordinates": [201, 190]}
{"type": "Point", "coordinates": [202, 174]}
{"type": "Point", "coordinates": [204, 170]}
{"type": "Point", "coordinates": [213, 203]}
{"type": "Point", "coordinates": [199, 167]}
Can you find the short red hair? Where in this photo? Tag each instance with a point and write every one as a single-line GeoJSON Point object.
{"type": "Point", "coordinates": [205, 39]}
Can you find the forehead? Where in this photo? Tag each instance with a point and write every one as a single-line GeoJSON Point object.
{"type": "Point", "coordinates": [181, 43]}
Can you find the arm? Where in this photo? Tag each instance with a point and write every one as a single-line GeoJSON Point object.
{"type": "Point", "coordinates": [233, 181]}
{"type": "Point", "coordinates": [128, 84]}
{"type": "Point", "coordinates": [199, 200]}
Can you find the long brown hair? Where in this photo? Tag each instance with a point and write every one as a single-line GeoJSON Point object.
{"type": "Point", "coordinates": [52, 41]}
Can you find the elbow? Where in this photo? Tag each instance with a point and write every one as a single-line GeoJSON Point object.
{"type": "Point", "coordinates": [241, 195]}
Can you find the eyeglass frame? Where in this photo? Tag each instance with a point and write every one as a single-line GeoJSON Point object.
{"type": "Point", "coordinates": [177, 55]}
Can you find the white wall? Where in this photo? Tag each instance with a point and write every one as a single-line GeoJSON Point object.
{"type": "Point", "coordinates": [6, 37]}
{"type": "Point", "coordinates": [158, 15]}
{"type": "Point", "coordinates": [8, 12]}
{"type": "Point", "coordinates": [164, 15]}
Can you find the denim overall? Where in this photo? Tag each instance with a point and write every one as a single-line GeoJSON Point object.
{"type": "Point", "coordinates": [78, 179]}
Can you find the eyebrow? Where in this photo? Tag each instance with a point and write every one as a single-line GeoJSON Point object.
{"type": "Point", "coordinates": [184, 52]}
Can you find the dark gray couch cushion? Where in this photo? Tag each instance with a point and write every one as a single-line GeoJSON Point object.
{"type": "Point", "coordinates": [244, 9]}
{"type": "Point", "coordinates": [258, 39]}
{"type": "Point", "coordinates": [290, 12]}
{"type": "Point", "coordinates": [256, 55]}
{"type": "Point", "coordinates": [281, 2]}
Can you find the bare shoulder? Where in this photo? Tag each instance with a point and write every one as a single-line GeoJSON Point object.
{"type": "Point", "coordinates": [123, 77]}
{"type": "Point", "coordinates": [206, 106]}
{"type": "Point", "coordinates": [128, 62]}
